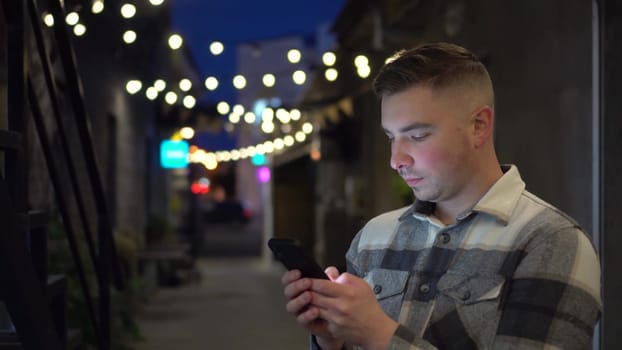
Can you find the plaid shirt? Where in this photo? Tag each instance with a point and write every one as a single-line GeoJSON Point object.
{"type": "Point", "coordinates": [512, 273]}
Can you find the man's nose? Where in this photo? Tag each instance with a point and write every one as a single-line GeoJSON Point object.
{"type": "Point", "coordinates": [400, 158]}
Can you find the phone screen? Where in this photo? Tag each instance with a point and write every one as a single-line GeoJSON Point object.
{"type": "Point", "coordinates": [291, 255]}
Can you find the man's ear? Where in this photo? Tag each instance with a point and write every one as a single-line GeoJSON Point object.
{"type": "Point", "coordinates": [483, 123]}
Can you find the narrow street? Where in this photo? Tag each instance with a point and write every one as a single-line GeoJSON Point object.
{"type": "Point", "coordinates": [235, 303]}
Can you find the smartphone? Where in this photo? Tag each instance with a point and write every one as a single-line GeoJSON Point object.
{"type": "Point", "coordinates": [291, 255]}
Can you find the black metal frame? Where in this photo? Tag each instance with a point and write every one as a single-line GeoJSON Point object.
{"type": "Point", "coordinates": [24, 284]}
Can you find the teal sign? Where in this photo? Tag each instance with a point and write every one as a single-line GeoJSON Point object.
{"type": "Point", "coordinates": [174, 154]}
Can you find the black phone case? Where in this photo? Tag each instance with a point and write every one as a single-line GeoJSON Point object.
{"type": "Point", "coordinates": [289, 253]}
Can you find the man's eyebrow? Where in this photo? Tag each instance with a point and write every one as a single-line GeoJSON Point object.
{"type": "Point", "coordinates": [411, 127]}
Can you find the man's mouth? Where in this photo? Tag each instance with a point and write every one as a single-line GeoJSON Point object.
{"type": "Point", "coordinates": [413, 181]}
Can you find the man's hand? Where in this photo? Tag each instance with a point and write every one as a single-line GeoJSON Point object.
{"type": "Point", "coordinates": [351, 310]}
{"type": "Point", "coordinates": [298, 300]}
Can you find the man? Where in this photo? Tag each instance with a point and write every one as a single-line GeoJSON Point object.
{"type": "Point", "coordinates": [477, 262]}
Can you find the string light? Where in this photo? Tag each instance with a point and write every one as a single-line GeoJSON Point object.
{"type": "Point", "coordinates": [216, 48]}
{"type": "Point", "coordinates": [128, 11]}
{"type": "Point", "coordinates": [72, 18]}
{"type": "Point", "coordinates": [239, 82]}
{"type": "Point", "coordinates": [79, 29]}
{"type": "Point", "coordinates": [329, 58]}
{"type": "Point", "coordinates": [211, 83]}
{"type": "Point", "coordinates": [185, 84]}
{"type": "Point", "coordinates": [299, 77]}
{"type": "Point", "coordinates": [151, 93]}
{"type": "Point", "coordinates": [159, 85]}
{"type": "Point", "coordinates": [97, 7]}
{"type": "Point", "coordinates": [269, 80]}
{"type": "Point", "coordinates": [189, 102]}
{"type": "Point", "coordinates": [170, 98]}
{"type": "Point", "coordinates": [129, 36]}
{"type": "Point", "coordinates": [156, 2]}
{"type": "Point", "coordinates": [175, 41]}
{"type": "Point", "coordinates": [48, 19]}
{"type": "Point", "coordinates": [294, 56]}
{"type": "Point", "coordinates": [133, 86]}
{"type": "Point", "coordinates": [223, 107]}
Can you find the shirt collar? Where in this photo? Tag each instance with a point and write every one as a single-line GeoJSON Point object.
{"type": "Point", "coordinates": [499, 201]}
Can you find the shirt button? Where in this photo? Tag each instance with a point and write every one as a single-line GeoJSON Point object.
{"type": "Point", "coordinates": [445, 237]}
{"type": "Point", "coordinates": [466, 295]}
{"type": "Point", "coordinates": [377, 289]}
{"type": "Point", "coordinates": [424, 288]}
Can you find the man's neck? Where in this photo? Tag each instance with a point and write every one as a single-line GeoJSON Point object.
{"type": "Point", "coordinates": [447, 212]}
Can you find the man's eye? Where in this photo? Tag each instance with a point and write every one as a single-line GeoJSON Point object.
{"type": "Point", "coordinates": [419, 137]}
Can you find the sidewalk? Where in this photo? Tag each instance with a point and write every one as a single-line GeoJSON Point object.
{"type": "Point", "coordinates": [237, 304]}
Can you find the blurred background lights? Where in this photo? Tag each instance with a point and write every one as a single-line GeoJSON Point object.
{"type": "Point", "coordinates": [72, 18]}
{"type": "Point", "coordinates": [79, 29]}
{"type": "Point", "coordinates": [294, 55]}
{"type": "Point", "coordinates": [295, 114]}
{"type": "Point", "coordinates": [97, 7]}
{"type": "Point", "coordinates": [216, 48]}
{"type": "Point", "coordinates": [363, 71]}
{"type": "Point", "coordinates": [159, 85]}
{"type": "Point", "coordinates": [234, 118]}
{"type": "Point", "coordinates": [223, 107]}
{"type": "Point", "coordinates": [129, 36]}
{"type": "Point", "coordinates": [151, 93]}
{"type": "Point", "coordinates": [331, 74]}
{"type": "Point", "coordinates": [288, 140]}
{"type": "Point", "coordinates": [263, 174]}
{"type": "Point", "coordinates": [249, 117]}
{"type": "Point", "coordinates": [48, 19]}
{"type": "Point", "coordinates": [361, 60]}
{"type": "Point", "coordinates": [239, 82]}
{"type": "Point", "coordinates": [170, 97]}
{"type": "Point", "coordinates": [238, 109]}
{"type": "Point", "coordinates": [267, 115]}
{"type": "Point", "coordinates": [187, 132]}
{"type": "Point", "coordinates": [211, 83]}
{"type": "Point", "coordinates": [269, 80]}
{"type": "Point", "coordinates": [156, 2]}
{"type": "Point", "coordinates": [185, 84]}
{"type": "Point", "coordinates": [128, 10]}
{"type": "Point", "coordinates": [299, 77]}
{"type": "Point", "coordinates": [300, 136]}
{"type": "Point", "coordinates": [307, 128]}
{"type": "Point", "coordinates": [175, 41]}
{"type": "Point", "coordinates": [267, 127]}
{"type": "Point", "coordinates": [189, 102]}
{"type": "Point", "coordinates": [329, 58]}
{"type": "Point", "coordinates": [133, 86]}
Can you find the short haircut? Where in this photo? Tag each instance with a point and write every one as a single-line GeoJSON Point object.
{"type": "Point", "coordinates": [434, 65]}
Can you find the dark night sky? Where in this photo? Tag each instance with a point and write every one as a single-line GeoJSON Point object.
{"type": "Point", "coordinates": [236, 21]}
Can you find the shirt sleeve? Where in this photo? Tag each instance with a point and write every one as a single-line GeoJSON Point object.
{"type": "Point", "coordinates": [553, 297]}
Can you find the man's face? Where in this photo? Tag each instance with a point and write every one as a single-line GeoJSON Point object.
{"type": "Point", "coordinates": [430, 144]}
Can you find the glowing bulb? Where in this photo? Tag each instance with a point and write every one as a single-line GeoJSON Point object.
{"type": "Point", "coordinates": [72, 18]}
{"type": "Point", "coordinates": [216, 48]}
{"type": "Point", "coordinates": [170, 97]}
{"type": "Point", "coordinates": [156, 2]}
{"type": "Point", "coordinates": [189, 102]}
{"type": "Point", "coordinates": [211, 83]}
{"type": "Point", "coordinates": [160, 85]}
{"type": "Point", "coordinates": [283, 115]}
{"type": "Point", "coordinates": [97, 7]}
{"type": "Point", "coordinates": [363, 71]}
{"type": "Point", "coordinates": [79, 29]}
{"type": "Point", "coordinates": [267, 115]}
{"type": "Point", "coordinates": [185, 84]}
{"type": "Point", "coordinates": [299, 77]}
{"type": "Point", "coordinates": [222, 107]}
{"type": "Point", "coordinates": [307, 128]}
{"type": "Point", "coordinates": [329, 58]}
{"type": "Point", "coordinates": [187, 132]}
{"type": "Point", "coordinates": [294, 55]}
{"type": "Point", "coordinates": [288, 140]}
{"type": "Point", "coordinates": [238, 109]}
{"type": "Point", "coordinates": [48, 19]}
{"type": "Point", "coordinates": [269, 80]}
{"type": "Point", "coordinates": [361, 60]}
{"type": "Point", "coordinates": [152, 93]}
{"type": "Point", "coordinates": [295, 114]}
{"type": "Point", "coordinates": [249, 117]}
{"type": "Point", "coordinates": [234, 118]}
{"type": "Point", "coordinates": [300, 136]}
{"type": "Point", "coordinates": [129, 36]}
{"type": "Point", "coordinates": [133, 86]}
{"type": "Point", "coordinates": [128, 10]}
{"type": "Point", "coordinates": [239, 82]}
{"type": "Point", "coordinates": [331, 74]}
{"type": "Point", "coordinates": [175, 41]}
{"type": "Point", "coordinates": [279, 144]}
{"type": "Point", "coordinates": [267, 127]}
